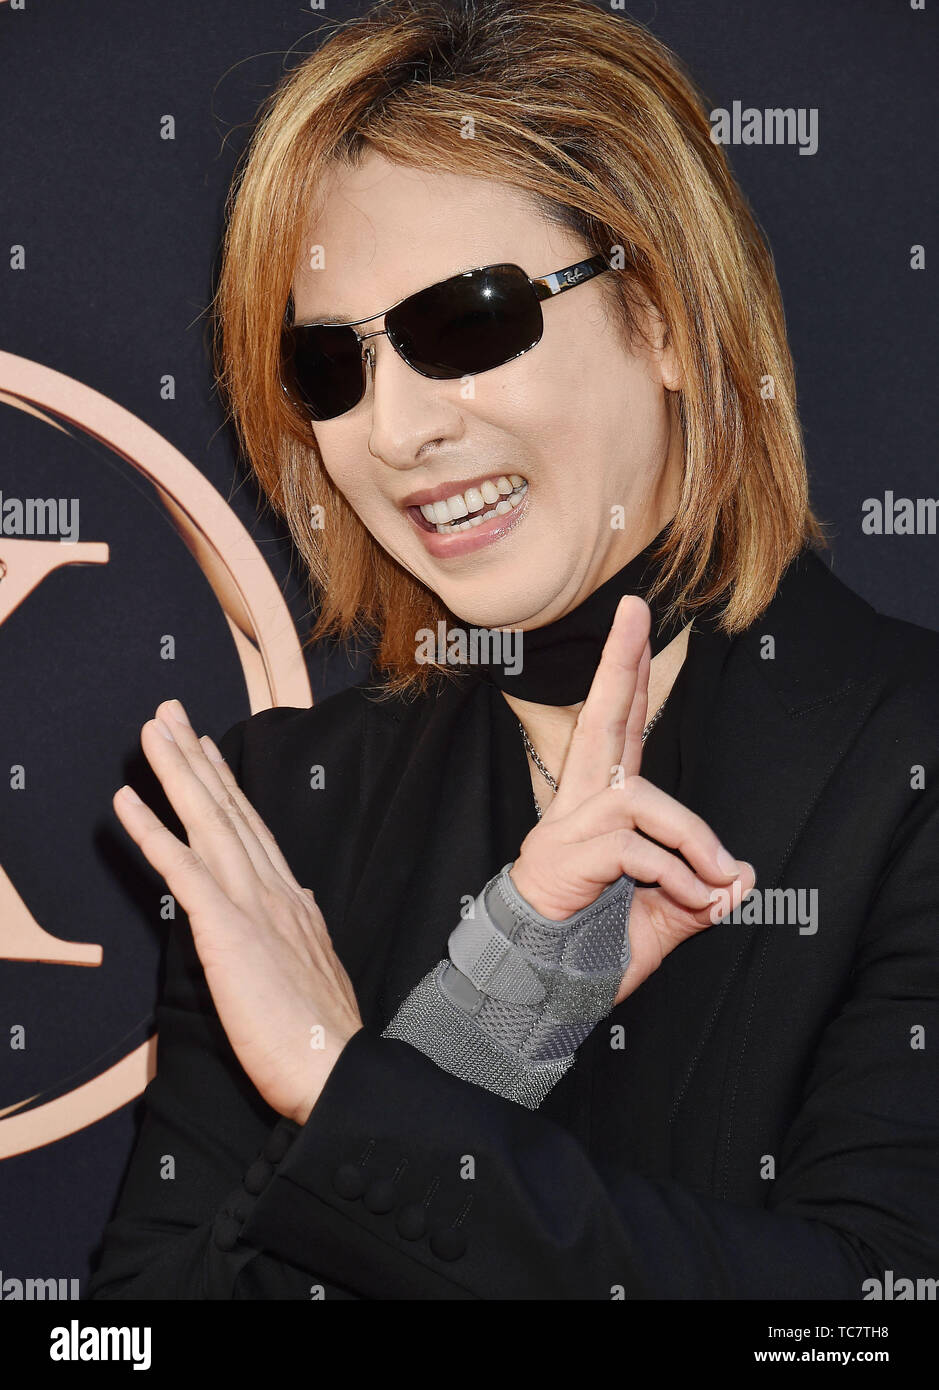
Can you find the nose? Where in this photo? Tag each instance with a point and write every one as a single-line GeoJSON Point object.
{"type": "Point", "coordinates": [408, 410]}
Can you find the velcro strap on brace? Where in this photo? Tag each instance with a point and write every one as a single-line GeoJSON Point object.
{"type": "Point", "coordinates": [487, 957]}
{"type": "Point", "coordinates": [504, 971]}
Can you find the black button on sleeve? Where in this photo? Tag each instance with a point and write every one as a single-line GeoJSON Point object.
{"type": "Point", "coordinates": [349, 1181]}
{"type": "Point", "coordinates": [258, 1176]}
{"type": "Point", "coordinates": [411, 1222]}
{"type": "Point", "coordinates": [380, 1196]}
{"type": "Point", "coordinates": [241, 1208]}
{"type": "Point", "coordinates": [225, 1231]}
{"type": "Point", "coordinates": [448, 1244]}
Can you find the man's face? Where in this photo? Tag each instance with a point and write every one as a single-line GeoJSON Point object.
{"type": "Point", "coordinates": [582, 417]}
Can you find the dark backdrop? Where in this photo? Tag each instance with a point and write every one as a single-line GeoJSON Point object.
{"type": "Point", "coordinates": [121, 231]}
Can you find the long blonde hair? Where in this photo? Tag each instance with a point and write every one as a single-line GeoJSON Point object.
{"type": "Point", "coordinates": [597, 120]}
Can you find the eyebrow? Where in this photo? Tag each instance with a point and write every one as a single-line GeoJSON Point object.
{"type": "Point", "coordinates": [323, 318]}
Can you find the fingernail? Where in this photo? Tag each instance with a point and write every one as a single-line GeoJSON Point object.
{"type": "Point", "coordinates": [178, 713]}
{"type": "Point", "coordinates": [752, 870]}
{"type": "Point", "coordinates": [726, 862]}
{"type": "Point", "coordinates": [211, 751]}
{"type": "Point", "coordinates": [130, 795]}
{"type": "Point", "coordinates": [164, 730]}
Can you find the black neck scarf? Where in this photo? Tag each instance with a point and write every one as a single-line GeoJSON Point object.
{"type": "Point", "coordinates": [561, 658]}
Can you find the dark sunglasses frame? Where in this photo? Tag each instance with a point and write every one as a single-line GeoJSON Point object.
{"type": "Point", "coordinates": [542, 287]}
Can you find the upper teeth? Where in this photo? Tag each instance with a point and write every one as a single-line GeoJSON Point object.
{"type": "Point", "coordinates": [505, 491]}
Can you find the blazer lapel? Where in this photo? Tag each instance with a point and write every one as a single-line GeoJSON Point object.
{"type": "Point", "coordinates": [783, 717]}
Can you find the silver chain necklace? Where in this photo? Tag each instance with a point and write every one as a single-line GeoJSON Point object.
{"type": "Point", "coordinates": [547, 775]}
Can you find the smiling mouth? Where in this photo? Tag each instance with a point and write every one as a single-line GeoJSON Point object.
{"type": "Point", "coordinates": [472, 507]}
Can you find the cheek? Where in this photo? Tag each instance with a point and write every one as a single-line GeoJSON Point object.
{"type": "Point", "coordinates": [585, 410]}
{"type": "Point", "coordinates": [342, 450]}
{"type": "Point", "coordinates": [625, 409]}
{"type": "Point", "coordinates": [575, 386]}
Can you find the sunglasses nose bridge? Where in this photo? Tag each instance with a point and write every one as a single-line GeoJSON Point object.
{"type": "Point", "coordinates": [368, 353]}
{"type": "Point", "coordinates": [369, 356]}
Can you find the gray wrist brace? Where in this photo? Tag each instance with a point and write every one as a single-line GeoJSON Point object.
{"type": "Point", "coordinates": [519, 992]}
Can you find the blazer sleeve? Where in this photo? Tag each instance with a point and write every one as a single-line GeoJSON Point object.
{"type": "Point", "coordinates": [406, 1182]}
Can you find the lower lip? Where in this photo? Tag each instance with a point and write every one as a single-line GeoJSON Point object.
{"type": "Point", "coordinates": [444, 547]}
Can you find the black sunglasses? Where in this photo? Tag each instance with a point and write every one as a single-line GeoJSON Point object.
{"type": "Point", "coordinates": [470, 323]}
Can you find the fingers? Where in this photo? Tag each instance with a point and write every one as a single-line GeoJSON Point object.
{"type": "Point", "coordinates": [631, 759]}
{"type": "Point", "coordinates": [223, 789]}
{"type": "Point", "coordinates": [209, 828]}
{"type": "Point", "coordinates": [625, 851]}
{"type": "Point", "coordinates": [635, 803]}
{"type": "Point", "coordinates": [188, 879]}
{"type": "Point", "coordinates": [727, 900]}
{"type": "Point", "coordinates": [599, 740]}
{"type": "Point", "coordinates": [250, 815]}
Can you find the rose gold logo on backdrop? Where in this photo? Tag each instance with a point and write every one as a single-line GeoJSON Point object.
{"type": "Point", "coordinates": [264, 637]}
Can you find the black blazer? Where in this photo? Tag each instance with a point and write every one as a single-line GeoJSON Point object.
{"type": "Point", "coordinates": [771, 1128]}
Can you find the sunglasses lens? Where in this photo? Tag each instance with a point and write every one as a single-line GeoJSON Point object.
{"type": "Point", "coordinates": [322, 368]}
{"type": "Point", "coordinates": [467, 324]}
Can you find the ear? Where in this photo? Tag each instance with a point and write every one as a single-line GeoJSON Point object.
{"type": "Point", "coordinates": [658, 339]}
{"type": "Point", "coordinates": [668, 363]}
